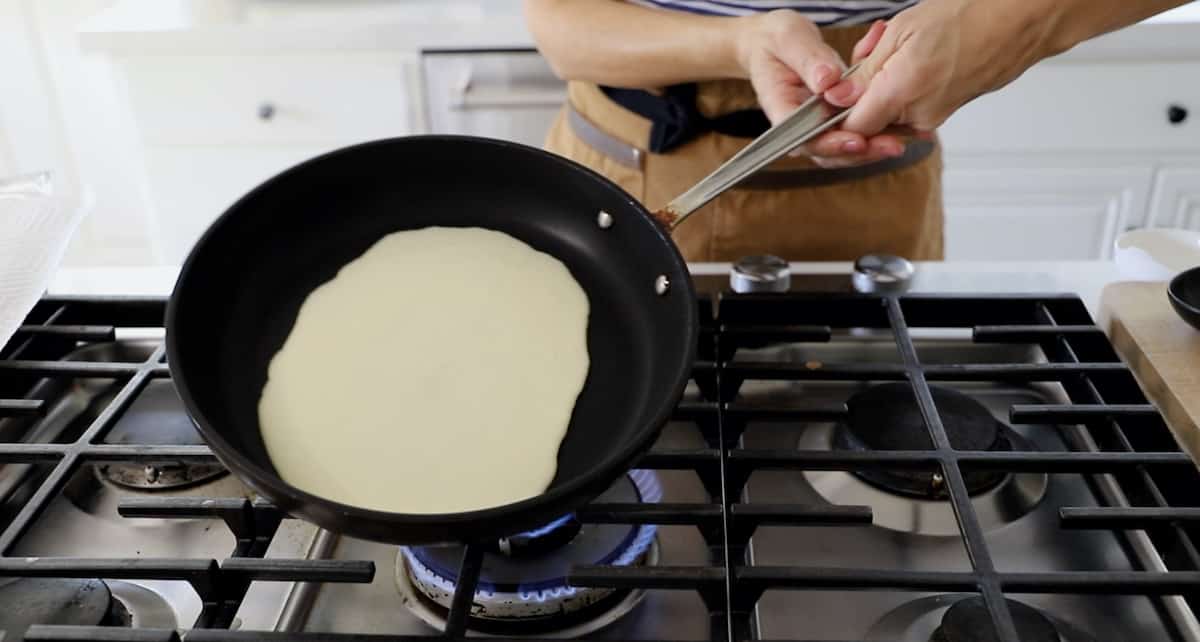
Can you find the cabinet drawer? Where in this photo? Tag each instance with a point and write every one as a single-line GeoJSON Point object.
{"type": "Point", "coordinates": [1039, 214]}
{"type": "Point", "coordinates": [1061, 106]}
{"type": "Point", "coordinates": [214, 100]}
{"type": "Point", "coordinates": [1176, 200]}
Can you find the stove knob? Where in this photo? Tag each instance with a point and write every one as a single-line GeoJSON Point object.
{"type": "Point", "coordinates": [882, 274]}
{"type": "Point", "coordinates": [764, 273]}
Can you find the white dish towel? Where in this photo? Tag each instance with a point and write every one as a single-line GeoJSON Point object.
{"type": "Point", "coordinates": [36, 223]}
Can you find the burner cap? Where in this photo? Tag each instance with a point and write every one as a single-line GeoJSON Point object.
{"type": "Point", "coordinates": [968, 621]}
{"type": "Point", "coordinates": [523, 583]}
{"type": "Point", "coordinates": [30, 601]}
{"type": "Point", "coordinates": [887, 417]}
{"type": "Point", "coordinates": [157, 417]}
{"type": "Point", "coordinates": [159, 477]}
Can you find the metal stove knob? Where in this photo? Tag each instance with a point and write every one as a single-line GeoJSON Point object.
{"type": "Point", "coordinates": [883, 274]}
{"type": "Point", "coordinates": [763, 273]}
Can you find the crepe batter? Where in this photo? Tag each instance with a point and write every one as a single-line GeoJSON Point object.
{"type": "Point", "coordinates": [436, 373]}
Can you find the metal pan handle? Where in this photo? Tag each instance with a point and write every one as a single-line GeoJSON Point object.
{"type": "Point", "coordinates": [808, 121]}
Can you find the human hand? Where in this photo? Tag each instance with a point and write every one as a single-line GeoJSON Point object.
{"type": "Point", "coordinates": [932, 59]}
{"type": "Point", "coordinates": [787, 62]}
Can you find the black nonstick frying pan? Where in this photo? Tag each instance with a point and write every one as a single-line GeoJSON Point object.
{"type": "Point", "coordinates": [241, 288]}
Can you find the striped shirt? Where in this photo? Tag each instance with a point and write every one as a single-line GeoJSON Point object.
{"type": "Point", "coordinates": [823, 12]}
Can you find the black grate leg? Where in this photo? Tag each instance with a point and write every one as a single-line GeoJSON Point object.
{"type": "Point", "coordinates": [464, 591]}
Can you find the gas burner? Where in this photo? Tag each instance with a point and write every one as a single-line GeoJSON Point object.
{"type": "Point", "coordinates": [30, 601]}
{"type": "Point", "coordinates": [969, 621]}
{"type": "Point", "coordinates": [157, 417]}
{"type": "Point", "coordinates": [964, 618]}
{"type": "Point", "coordinates": [886, 417]}
{"type": "Point", "coordinates": [522, 587]}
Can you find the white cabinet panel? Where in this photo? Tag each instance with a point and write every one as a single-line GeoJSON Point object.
{"type": "Point", "coordinates": [278, 99]}
{"type": "Point", "coordinates": [1176, 201]}
{"type": "Point", "coordinates": [1041, 213]}
{"type": "Point", "coordinates": [1058, 107]}
{"type": "Point", "coordinates": [191, 186]}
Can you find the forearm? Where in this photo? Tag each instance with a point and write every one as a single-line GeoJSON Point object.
{"type": "Point", "coordinates": [1020, 33]}
{"type": "Point", "coordinates": [1074, 21]}
{"type": "Point", "coordinates": [616, 43]}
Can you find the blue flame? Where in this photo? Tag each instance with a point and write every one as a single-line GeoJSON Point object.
{"type": "Point", "coordinates": [649, 490]}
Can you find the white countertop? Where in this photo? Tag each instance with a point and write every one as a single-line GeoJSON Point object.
{"type": "Point", "coordinates": [1085, 278]}
{"type": "Point", "coordinates": [150, 26]}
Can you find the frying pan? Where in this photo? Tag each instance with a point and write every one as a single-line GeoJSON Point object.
{"type": "Point", "coordinates": [241, 288]}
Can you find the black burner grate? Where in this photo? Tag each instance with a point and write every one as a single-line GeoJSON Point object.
{"type": "Point", "coordinates": [1126, 438]}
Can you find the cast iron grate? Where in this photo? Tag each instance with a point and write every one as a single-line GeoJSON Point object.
{"type": "Point", "coordinates": [1128, 440]}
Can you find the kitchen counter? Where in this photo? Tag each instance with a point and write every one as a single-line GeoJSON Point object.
{"type": "Point", "coordinates": [1086, 278]}
{"type": "Point", "coordinates": [147, 26]}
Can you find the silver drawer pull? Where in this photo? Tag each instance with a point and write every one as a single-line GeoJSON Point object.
{"type": "Point", "coordinates": [266, 111]}
{"type": "Point", "coordinates": [468, 98]}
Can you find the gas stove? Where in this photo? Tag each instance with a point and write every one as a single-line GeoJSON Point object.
{"type": "Point", "coordinates": [842, 466]}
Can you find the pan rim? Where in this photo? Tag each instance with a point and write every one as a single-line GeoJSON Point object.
{"type": "Point", "coordinates": [569, 495]}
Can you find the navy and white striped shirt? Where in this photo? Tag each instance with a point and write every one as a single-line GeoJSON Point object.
{"type": "Point", "coordinates": [823, 12]}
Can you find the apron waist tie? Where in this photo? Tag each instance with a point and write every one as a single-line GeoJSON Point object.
{"type": "Point", "coordinates": [675, 119]}
{"type": "Point", "coordinates": [632, 157]}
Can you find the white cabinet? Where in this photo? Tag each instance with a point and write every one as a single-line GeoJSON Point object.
{"type": "Point", "coordinates": [1059, 107]}
{"type": "Point", "coordinates": [1020, 212]}
{"type": "Point", "coordinates": [263, 100]}
{"type": "Point", "coordinates": [1058, 163]}
{"type": "Point", "coordinates": [211, 127]}
{"type": "Point", "coordinates": [192, 185]}
{"type": "Point", "coordinates": [1176, 200]}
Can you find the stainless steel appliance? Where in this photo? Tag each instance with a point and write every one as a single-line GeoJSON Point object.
{"type": "Point", "coordinates": [510, 94]}
{"type": "Point", "coordinates": [844, 466]}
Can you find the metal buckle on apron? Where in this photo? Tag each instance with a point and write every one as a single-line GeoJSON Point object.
{"type": "Point", "coordinates": [601, 141]}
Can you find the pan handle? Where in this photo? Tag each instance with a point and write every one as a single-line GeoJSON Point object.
{"type": "Point", "coordinates": [808, 121]}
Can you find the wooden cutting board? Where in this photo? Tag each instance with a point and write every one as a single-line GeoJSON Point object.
{"type": "Point", "coordinates": [1162, 350]}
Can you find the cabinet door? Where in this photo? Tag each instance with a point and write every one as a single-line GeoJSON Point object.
{"type": "Point", "coordinates": [1019, 214]}
{"type": "Point", "coordinates": [1176, 201]}
{"type": "Point", "coordinates": [191, 186]}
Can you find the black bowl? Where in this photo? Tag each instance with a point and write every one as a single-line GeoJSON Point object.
{"type": "Point", "coordinates": [1184, 292]}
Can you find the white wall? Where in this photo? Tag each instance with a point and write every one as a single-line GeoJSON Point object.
{"type": "Point", "coordinates": [5, 154]}
{"type": "Point", "coordinates": [59, 111]}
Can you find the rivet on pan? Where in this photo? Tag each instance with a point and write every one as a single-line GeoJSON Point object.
{"type": "Point", "coordinates": [662, 284]}
{"type": "Point", "coordinates": [604, 220]}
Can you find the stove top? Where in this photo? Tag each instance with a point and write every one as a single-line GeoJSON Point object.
{"type": "Point", "coordinates": [1024, 490]}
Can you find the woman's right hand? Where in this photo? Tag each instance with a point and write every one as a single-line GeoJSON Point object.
{"type": "Point", "coordinates": [787, 62]}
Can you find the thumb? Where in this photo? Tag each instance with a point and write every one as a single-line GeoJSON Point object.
{"type": "Point", "coordinates": [816, 63]}
{"type": "Point", "coordinates": [870, 53]}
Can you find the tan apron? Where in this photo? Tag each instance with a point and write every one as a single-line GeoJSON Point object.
{"type": "Point", "coordinates": [898, 212]}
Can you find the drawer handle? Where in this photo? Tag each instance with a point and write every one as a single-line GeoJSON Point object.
{"type": "Point", "coordinates": [1177, 114]}
{"type": "Point", "coordinates": [266, 111]}
{"type": "Point", "coordinates": [507, 98]}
